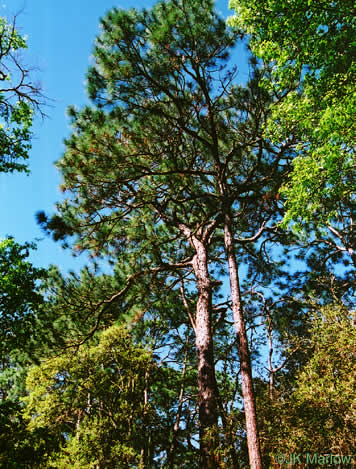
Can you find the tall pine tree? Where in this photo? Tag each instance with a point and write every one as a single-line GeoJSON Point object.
{"type": "Point", "coordinates": [169, 164]}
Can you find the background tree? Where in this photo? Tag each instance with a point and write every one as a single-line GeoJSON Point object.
{"type": "Point", "coordinates": [84, 306]}
{"type": "Point", "coordinates": [23, 336]}
{"type": "Point", "coordinates": [20, 302]}
{"type": "Point", "coordinates": [313, 409]}
{"type": "Point", "coordinates": [311, 48]}
{"type": "Point", "coordinates": [19, 98]}
{"type": "Point", "coordinates": [169, 389]}
{"type": "Point", "coordinates": [94, 400]}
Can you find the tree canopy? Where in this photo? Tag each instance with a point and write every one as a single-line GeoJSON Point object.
{"type": "Point", "coordinates": [310, 46]}
{"type": "Point", "coordinates": [213, 323]}
{"type": "Point", "coordinates": [181, 158]}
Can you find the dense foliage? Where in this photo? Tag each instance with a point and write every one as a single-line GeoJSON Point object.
{"type": "Point", "coordinates": [313, 412]}
{"type": "Point", "coordinates": [94, 396]}
{"type": "Point", "coordinates": [204, 332]}
{"type": "Point", "coordinates": [22, 332]}
{"type": "Point", "coordinates": [311, 49]}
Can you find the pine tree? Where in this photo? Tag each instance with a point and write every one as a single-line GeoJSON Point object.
{"type": "Point", "coordinates": [169, 165]}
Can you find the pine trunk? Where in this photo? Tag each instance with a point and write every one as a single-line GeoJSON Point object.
{"type": "Point", "coordinates": [207, 400]}
{"type": "Point", "coordinates": [244, 353]}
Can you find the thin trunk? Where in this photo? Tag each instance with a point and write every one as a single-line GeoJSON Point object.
{"type": "Point", "coordinates": [207, 400]}
{"type": "Point", "coordinates": [89, 404]}
{"type": "Point", "coordinates": [188, 422]}
{"type": "Point", "coordinates": [145, 450]}
{"type": "Point", "coordinates": [270, 354]}
{"type": "Point", "coordinates": [178, 416]}
{"type": "Point", "coordinates": [272, 370]}
{"type": "Point", "coordinates": [131, 417]}
{"type": "Point", "coordinates": [244, 354]}
{"type": "Point", "coordinates": [77, 425]}
{"type": "Point", "coordinates": [173, 444]}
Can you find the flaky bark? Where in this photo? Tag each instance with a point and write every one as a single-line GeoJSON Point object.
{"type": "Point", "coordinates": [207, 390]}
{"type": "Point", "coordinates": [253, 444]}
{"type": "Point", "coordinates": [206, 371]}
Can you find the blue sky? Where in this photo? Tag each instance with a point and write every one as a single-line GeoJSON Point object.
{"type": "Point", "coordinates": [60, 40]}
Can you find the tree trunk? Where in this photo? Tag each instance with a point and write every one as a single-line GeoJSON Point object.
{"type": "Point", "coordinates": [207, 400]}
{"type": "Point", "coordinates": [176, 425]}
{"type": "Point", "coordinates": [145, 450]}
{"type": "Point", "coordinates": [271, 371]}
{"type": "Point", "coordinates": [244, 353]}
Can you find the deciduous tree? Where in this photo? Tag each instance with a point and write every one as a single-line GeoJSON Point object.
{"type": "Point", "coordinates": [93, 400]}
{"type": "Point", "coordinates": [22, 327]}
{"type": "Point", "coordinates": [19, 98]}
{"type": "Point", "coordinates": [310, 46]}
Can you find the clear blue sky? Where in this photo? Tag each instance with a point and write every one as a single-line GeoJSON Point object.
{"type": "Point", "coordinates": [60, 39]}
